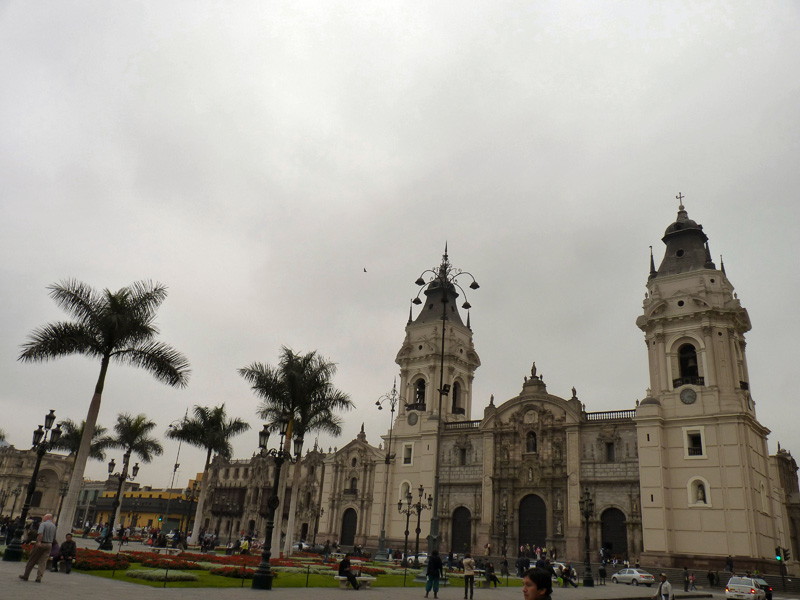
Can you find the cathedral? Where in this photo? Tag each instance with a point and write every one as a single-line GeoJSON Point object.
{"type": "Point", "coordinates": [682, 477]}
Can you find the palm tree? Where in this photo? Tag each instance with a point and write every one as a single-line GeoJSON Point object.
{"type": "Point", "coordinates": [211, 430]}
{"type": "Point", "coordinates": [72, 434]}
{"type": "Point", "coordinates": [299, 388]}
{"type": "Point", "coordinates": [132, 436]}
{"type": "Point", "coordinates": [108, 326]}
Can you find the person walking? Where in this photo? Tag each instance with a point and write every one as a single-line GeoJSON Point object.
{"type": "Point", "coordinates": [41, 551]}
{"type": "Point", "coordinates": [685, 579]}
{"type": "Point", "coordinates": [469, 576]}
{"type": "Point", "coordinates": [434, 572]}
{"type": "Point", "coordinates": [664, 591]}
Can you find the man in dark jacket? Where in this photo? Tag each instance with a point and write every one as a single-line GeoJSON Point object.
{"type": "Point", "coordinates": [434, 572]}
{"type": "Point", "coordinates": [67, 553]}
{"type": "Point", "coordinates": [344, 571]}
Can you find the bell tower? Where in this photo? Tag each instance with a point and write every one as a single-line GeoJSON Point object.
{"type": "Point", "coordinates": [703, 455]}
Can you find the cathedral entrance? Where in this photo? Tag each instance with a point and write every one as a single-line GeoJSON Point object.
{"type": "Point", "coordinates": [614, 532]}
{"type": "Point", "coordinates": [461, 533]}
{"type": "Point", "coordinates": [349, 523]}
{"type": "Point", "coordinates": [533, 521]}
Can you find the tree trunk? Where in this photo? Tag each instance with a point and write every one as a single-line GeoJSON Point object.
{"type": "Point", "coordinates": [75, 482]}
{"type": "Point", "coordinates": [201, 501]}
{"type": "Point", "coordinates": [287, 547]}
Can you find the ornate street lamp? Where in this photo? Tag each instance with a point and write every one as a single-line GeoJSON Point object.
{"type": "Point", "coordinates": [62, 491]}
{"type": "Point", "coordinates": [107, 543]}
{"type": "Point", "coordinates": [390, 398]}
{"type": "Point", "coordinates": [444, 278]}
{"type": "Point", "coordinates": [262, 579]}
{"type": "Point", "coordinates": [412, 509]}
{"type": "Point", "coordinates": [316, 512]}
{"type": "Point", "coordinates": [587, 508]}
{"type": "Point", "coordinates": [41, 444]}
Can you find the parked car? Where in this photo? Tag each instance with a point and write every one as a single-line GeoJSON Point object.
{"type": "Point", "coordinates": [744, 588]}
{"type": "Point", "coordinates": [423, 559]}
{"type": "Point", "coordinates": [633, 577]}
{"type": "Point", "coordinates": [766, 587]}
{"type": "Point", "coordinates": [300, 547]}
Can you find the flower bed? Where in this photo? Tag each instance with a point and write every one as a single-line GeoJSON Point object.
{"type": "Point", "coordinates": [160, 575]}
{"type": "Point", "coordinates": [93, 560]}
{"type": "Point", "coordinates": [169, 562]}
{"type": "Point", "coordinates": [237, 572]}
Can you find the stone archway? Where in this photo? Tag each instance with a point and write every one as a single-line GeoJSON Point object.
{"type": "Point", "coordinates": [349, 525]}
{"type": "Point", "coordinates": [461, 530]}
{"type": "Point", "coordinates": [614, 532]}
{"type": "Point", "coordinates": [532, 521]}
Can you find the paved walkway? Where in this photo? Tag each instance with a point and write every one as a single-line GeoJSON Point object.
{"type": "Point", "coordinates": [79, 585]}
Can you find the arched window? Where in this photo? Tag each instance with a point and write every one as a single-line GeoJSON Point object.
{"type": "Point", "coordinates": [687, 359]}
{"type": "Point", "coordinates": [353, 485]}
{"type": "Point", "coordinates": [419, 394]}
{"type": "Point", "coordinates": [458, 409]}
{"type": "Point", "coordinates": [530, 442]}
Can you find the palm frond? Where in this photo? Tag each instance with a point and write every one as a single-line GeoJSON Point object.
{"type": "Point", "coordinates": [164, 362]}
{"type": "Point", "coordinates": [76, 298]}
{"type": "Point", "coordinates": [56, 340]}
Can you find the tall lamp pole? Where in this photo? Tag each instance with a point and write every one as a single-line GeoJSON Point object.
{"type": "Point", "coordinates": [107, 543]}
{"type": "Point", "coordinates": [262, 579]}
{"type": "Point", "coordinates": [390, 398]}
{"type": "Point", "coordinates": [415, 509]}
{"type": "Point", "coordinates": [444, 278]}
{"type": "Point", "coordinates": [587, 509]}
{"type": "Point", "coordinates": [41, 444]}
{"type": "Point", "coordinates": [16, 493]}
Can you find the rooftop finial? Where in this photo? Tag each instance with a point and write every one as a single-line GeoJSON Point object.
{"type": "Point", "coordinates": [653, 271]}
{"type": "Point", "coordinates": [722, 266]}
{"type": "Point", "coordinates": [680, 198]}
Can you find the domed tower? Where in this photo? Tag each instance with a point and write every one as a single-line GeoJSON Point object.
{"type": "Point", "coordinates": [703, 455]}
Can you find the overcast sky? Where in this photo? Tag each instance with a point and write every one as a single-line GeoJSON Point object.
{"type": "Point", "coordinates": [257, 157]}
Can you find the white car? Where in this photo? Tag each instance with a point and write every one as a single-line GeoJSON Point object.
{"type": "Point", "coordinates": [744, 588]}
{"type": "Point", "coordinates": [423, 559]}
{"type": "Point", "coordinates": [300, 547]}
{"type": "Point", "coordinates": [633, 577]}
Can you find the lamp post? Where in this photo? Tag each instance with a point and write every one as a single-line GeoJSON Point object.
{"type": "Point", "coordinates": [503, 520]}
{"type": "Point", "coordinates": [191, 498]}
{"type": "Point", "coordinates": [41, 444]}
{"type": "Point", "coordinates": [15, 492]}
{"type": "Point", "coordinates": [316, 512]}
{"type": "Point", "coordinates": [107, 543]}
{"type": "Point", "coordinates": [444, 279]}
{"type": "Point", "coordinates": [262, 579]}
{"type": "Point", "coordinates": [587, 508]}
{"type": "Point", "coordinates": [390, 398]}
{"type": "Point", "coordinates": [414, 509]}
{"type": "Point", "coordinates": [62, 491]}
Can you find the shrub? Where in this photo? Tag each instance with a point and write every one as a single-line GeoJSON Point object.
{"type": "Point", "coordinates": [159, 574]}
{"type": "Point", "coordinates": [168, 562]}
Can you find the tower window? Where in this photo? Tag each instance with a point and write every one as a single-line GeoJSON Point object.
{"type": "Point", "coordinates": [419, 394]}
{"type": "Point", "coordinates": [687, 358]}
{"type": "Point", "coordinates": [610, 453]}
{"type": "Point", "coordinates": [694, 442]}
{"type": "Point", "coordinates": [407, 454]}
{"type": "Point", "coordinates": [456, 392]}
{"type": "Point", "coordinates": [353, 485]}
{"type": "Point", "coordinates": [462, 456]}
{"type": "Point", "coordinates": [530, 442]}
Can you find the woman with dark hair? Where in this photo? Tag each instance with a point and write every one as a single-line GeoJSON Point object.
{"type": "Point", "coordinates": [537, 585]}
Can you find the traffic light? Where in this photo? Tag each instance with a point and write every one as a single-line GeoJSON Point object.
{"type": "Point", "coordinates": [786, 554]}
{"type": "Point", "coordinates": [161, 518]}
{"type": "Point", "coordinates": [778, 553]}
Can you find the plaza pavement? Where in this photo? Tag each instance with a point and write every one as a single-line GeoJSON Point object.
{"type": "Point", "coordinates": [59, 586]}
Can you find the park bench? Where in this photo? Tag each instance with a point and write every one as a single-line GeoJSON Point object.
{"type": "Point", "coordinates": [364, 581]}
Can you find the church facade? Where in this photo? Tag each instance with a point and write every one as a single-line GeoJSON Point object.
{"type": "Point", "coordinates": [683, 476]}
